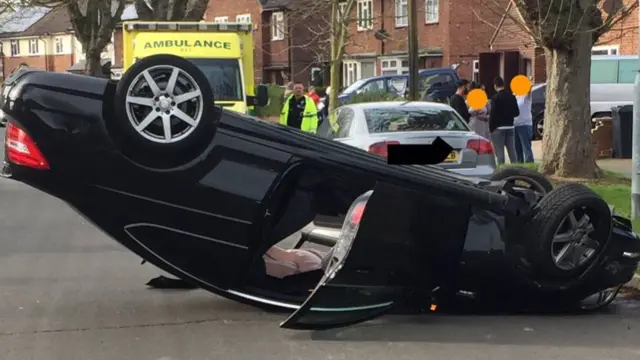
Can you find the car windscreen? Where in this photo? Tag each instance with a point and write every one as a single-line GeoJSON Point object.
{"type": "Point", "coordinates": [224, 77]}
{"type": "Point", "coordinates": [413, 119]}
{"type": "Point", "coordinates": [353, 87]}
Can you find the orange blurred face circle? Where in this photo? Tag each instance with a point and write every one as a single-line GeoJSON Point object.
{"type": "Point", "coordinates": [477, 99]}
{"type": "Point", "coordinates": [520, 85]}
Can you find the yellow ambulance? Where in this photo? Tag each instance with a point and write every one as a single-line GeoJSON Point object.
{"type": "Point", "coordinates": [223, 51]}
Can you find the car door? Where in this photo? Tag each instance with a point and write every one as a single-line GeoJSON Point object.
{"type": "Point", "coordinates": [374, 266]}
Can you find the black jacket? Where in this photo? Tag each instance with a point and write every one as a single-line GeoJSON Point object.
{"type": "Point", "coordinates": [460, 105]}
{"type": "Point", "coordinates": [504, 108]}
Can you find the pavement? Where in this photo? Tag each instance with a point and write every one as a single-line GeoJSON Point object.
{"type": "Point", "coordinates": [68, 292]}
{"type": "Point", "coordinates": [619, 166]}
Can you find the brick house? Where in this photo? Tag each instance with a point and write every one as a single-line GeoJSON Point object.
{"type": "Point", "coordinates": [514, 52]}
{"type": "Point", "coordinates": [43, 38]}
{"type": "Point", "coordinates": [279, 57]}
{"type": "Point", "coordinates": [449, 34]}
{"type": "Point", "coordinates": [45, 41]}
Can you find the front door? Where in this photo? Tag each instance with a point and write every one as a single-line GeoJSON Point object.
{"type": "Point", "coordinates": [366, 278]}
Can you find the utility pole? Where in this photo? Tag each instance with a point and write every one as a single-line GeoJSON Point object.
{"type": "Point", "coordinates": [635, 157]}
{"type": "Point", "coordinates": [413, 50]}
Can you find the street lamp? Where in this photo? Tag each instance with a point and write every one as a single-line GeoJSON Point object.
{"type": "Point", "coordinates": [635, 156]}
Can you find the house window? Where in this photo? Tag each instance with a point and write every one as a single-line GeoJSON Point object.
{"type": "Point", "coordinates": [244, 18]}
{"type": "Point", "coordinates": [431, 11]}
{"type": "Point", "coordinates": [33, 47]}
{"type": "Point", "coordinates": [476, 71]}
{"type": "Point", "coordinates": [15, 47]}
{"type": "Point", "coordinates": [59, 45]}
{"type": "Point", "coordinates": [365, 15]}
{"type": "Point", "coordinates": [277, 26]}
{"type": "Point", "coordinates": [221, 19]}
{"type": "Point", "coordinates": [342, 9]}
{"type": "Point", "coordinates": [394, 66]}
{"type": "Point", "coordinates": [610, 50]}
{"type": "Point", "coordinates": [402, 14]}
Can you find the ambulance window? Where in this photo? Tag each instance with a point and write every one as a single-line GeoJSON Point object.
{"type": "Point", "coordinates": [224, 77]}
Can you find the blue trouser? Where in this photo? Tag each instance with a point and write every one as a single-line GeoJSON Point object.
{"type": "Point", "coordinates": [523, 135]}
{"type": "Point", "coordinates": [502, 138]}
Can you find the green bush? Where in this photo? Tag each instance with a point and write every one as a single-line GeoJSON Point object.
{"type": "Point", "coordinates": [276, 99]}
{"type": "Point", "coordinates": [373, 96]}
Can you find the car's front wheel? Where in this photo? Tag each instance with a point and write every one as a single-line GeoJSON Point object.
{"type": "Point", "coordinates": [567, 234]}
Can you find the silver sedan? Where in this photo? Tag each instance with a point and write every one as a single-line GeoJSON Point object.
{"type": "Point", "coordinates": [372, 126]}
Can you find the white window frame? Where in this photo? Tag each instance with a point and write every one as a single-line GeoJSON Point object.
{"type": "Point", "coordinates": [355, 66]}
{"type": "Point", "coordinates": [402, 13]}
{"type": "Point", "coordinates": [364, 15]}
{"type": "Point", "coordinates": [33, 47]}
{"type": "Point", "coordinates": [612, 50]}
{"type": "Point", "coordinates": [431, 11]}
{"type": "Point", "coordinates": [221, 19]}
{"type": "Point", "coordinates": [476, 71]}
{"type": "Point", "coordinates": [342, 8]}
{"type": "Point", "coordinates": [243, 18]}
{"type": "Point", "coordinates": [59, 44]}
{"type": "Point", "coordinates": [14, 47]}
{"type": "Point", "coordinates": [277, 26]}
{"type": "Point", "coordinates": [398, 69]}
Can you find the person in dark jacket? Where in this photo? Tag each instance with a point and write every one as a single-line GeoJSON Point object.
{"type": "Point", "coordinates": [504, 108]}
{"type": "Point", "coordinates": [458, 100]}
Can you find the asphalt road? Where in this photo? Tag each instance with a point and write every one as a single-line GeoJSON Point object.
{"type": "Point", "coordinates": [68, 292]}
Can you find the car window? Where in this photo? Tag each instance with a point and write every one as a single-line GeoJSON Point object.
{"type": "Point", "coordinates": [344, 118]}
{"type": "Point", "coordinates": [442, 79]}
{"type": "Point", "coordinates": [413, 119]}
{"type": "Point", "coordinates": [538, 93]}
{"type": "Point", "coordinates": [375, 85]}
{"type": "Point", "coordinates": [397, 85]}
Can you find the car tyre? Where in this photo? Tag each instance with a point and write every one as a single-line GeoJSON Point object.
{"type": "Point", "coordinates": [523, 177]}
{"type": "Point", "coordinates": [538, 128]}
{"type": "Point", "coordinates": [567, 233]}
{"type": "Point", "coordinates": [163, 104]}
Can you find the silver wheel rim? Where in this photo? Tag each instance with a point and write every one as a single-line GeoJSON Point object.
{"type": "Point", "coordinates": [516, 180]}
{"type": "Point", "coordinates": [572, 245]}
{"type": "Point", "coordinates": [600, 299]}
{"type": "Point", "coordinates": [166, 115]}
{"type": "Point", "coordinates": [540, 127]}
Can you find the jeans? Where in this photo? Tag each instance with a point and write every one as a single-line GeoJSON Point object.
{"type": "Point", "coordinates": [523, 136]}
{"type": "Point", "coordinates": [502, 138]}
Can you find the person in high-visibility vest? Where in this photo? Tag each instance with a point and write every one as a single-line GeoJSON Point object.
{"type": "Point", "coordinates": [299, 111]}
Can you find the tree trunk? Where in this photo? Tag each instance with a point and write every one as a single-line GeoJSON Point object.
{"type": "Point", "coordinates": [93, 66]}
{"type": "Point", "coordinates": [567, 147]}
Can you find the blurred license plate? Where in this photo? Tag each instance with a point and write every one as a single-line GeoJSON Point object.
{"type": "Point", "coordinates": [453, 157]}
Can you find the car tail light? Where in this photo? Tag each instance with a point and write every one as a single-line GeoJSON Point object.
{"type": "Point", "coordinates": [481, 146]}
{"type": "Point", "coordinates": [22, 150]}
{"type": "Point", "coordinates": [349, 230]}
{"type": "Point", "coordinates": [380, 148]}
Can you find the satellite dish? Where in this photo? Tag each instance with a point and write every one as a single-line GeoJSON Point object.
{"type": "Point", "coordinates": [263, 2]}
{"type": "Point", "coordinates": [381, 34]}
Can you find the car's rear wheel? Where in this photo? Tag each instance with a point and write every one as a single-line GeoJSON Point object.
{"type": "Point", "coordinates": [567, 234]}
{"type": "Point", "coordinates": [521, 177]}
{"type": "Point", "coordinates": [164, 106]}
{"type": "Point", "coordinates": [599, 300]}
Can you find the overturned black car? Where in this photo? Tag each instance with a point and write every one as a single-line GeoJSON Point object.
{"type": "Point", "coordinates": [204, 194]}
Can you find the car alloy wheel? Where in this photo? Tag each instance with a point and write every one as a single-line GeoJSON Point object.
{"type": "Point", "coordinates": [572, 245]}
{"type": "Point", "coordinates": [539, 128]}
{"type": "Point", "coordinates": [600, 299]}
{"type": "Point", "coordinates": [164, 104]}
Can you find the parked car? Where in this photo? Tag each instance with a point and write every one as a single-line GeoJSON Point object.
{"type": "Point", "coordinates": [203, 193]}
{"type": "Point", "coordinates": [373, 126]}
{"type": "Point", "coordinates": [442, 80]}
{"type": "Point", "coordinates": [604, 97]}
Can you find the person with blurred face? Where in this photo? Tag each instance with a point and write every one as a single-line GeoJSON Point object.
{"type": "Point", "coordinates": [311, 92]}
{"type": "Point", "coordinates": [300, 111]}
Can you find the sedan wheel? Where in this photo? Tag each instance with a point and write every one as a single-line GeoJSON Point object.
{"type": "Point", "coordinates": [572, 245]}
{"type": "Point", "coordinates": [600, 299]}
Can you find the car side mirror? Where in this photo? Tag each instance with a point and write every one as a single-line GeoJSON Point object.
{"type": "Point", "coordinates": [262, 96]}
